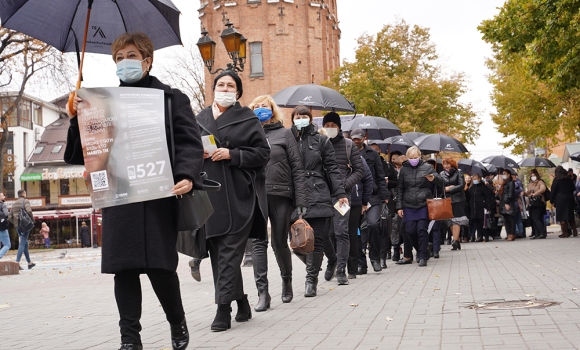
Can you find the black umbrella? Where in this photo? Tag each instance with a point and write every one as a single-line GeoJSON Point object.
{"type": "Point", "coordinates": [312, 96]}
{"type": "Point", "coordinates": [491, 168]}
{"type": "Point", "coordinates": [414, 135]}
{"type": "Point", "coordinates": [375, 127]}
{"type": "Point", "coordinates": [472, 167]}
{"type": "Point", "coordinates": [501, 162]}
{"type": "Point", "coordinates": [393, 144]}
{"type": "Point", "coordinates": [575, 156]}
{"type": "Point", "coordinates": [537, 162]}
{"type": "Point", "coordinates": [433, 143]}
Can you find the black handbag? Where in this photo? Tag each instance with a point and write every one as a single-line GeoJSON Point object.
{"type": "Point", "coordinates": [194, 208]}
{"type": "Point", "coordinates": [193, 243]}
{"type": "Point", "coordinates": [536, 202]}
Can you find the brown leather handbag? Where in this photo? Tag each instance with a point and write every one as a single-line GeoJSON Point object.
{"type": "Point", "coordinates": [439, 208]}
{"type": "Point", "coordinates": [301, 236]}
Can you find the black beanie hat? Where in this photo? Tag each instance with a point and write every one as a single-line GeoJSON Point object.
{"type": "Point", "coordinates": [236, 78]}
{"type": "Point", "coordinates": [332, 117]}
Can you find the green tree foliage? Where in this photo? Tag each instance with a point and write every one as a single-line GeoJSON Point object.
{"type": "Point", "coordinates": [545, 33]}
{"type": "Point", "coordinates": [396, 76]}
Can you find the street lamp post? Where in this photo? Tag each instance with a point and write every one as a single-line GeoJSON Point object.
{"type": "Point", "coordinates": [235, 44]}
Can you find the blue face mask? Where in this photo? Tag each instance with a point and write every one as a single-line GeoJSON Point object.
{"type": "Point", "coordinates": [475, 182]}
{"type": "Point", "coordinates": [301, 123]}
{"type": "Point", "coordinates": [264, 114]}
{"type": "Point", "coordinates": [130, 71]}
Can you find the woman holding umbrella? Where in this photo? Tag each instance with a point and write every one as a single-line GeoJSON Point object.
{"type": "Point", "coordinates": [140, 238]}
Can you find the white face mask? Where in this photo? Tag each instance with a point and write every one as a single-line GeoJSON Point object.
{"type": "Point", "coordinates": [533, 178]}
{"type": "Point", "coordinates": [225, 99]}
{"type": "Point", "coordinates": [301, 123]}
{"type": "Point", "coordinates": [504, 177]}
{"type": "Point", "coordinates": [331, 132]}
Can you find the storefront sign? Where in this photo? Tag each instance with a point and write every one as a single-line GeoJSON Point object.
{"type": "Point", "coordinates": [61, 173]}
{"type": "Point", "coordinates": [74, 200]}
{"type": "Point", "coordinates": [31, 177]}
{"type": "Point", "coordinates": [34, 202]}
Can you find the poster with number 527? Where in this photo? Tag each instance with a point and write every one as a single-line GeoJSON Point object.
{"type": "Point", "coordinates": [124, 145]}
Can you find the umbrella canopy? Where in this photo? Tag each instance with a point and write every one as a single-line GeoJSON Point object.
{"type": "Point", "coordinates": [537, 162]}
{"type": "Point", "coordinates": [491, 168]}
{"type": "Point", "coordinates": [501, 162]}
{"type": "Point", "coordinates": [414, 135]}
{"type": "Point", "coordinates": [61, 23]}
{"type": "Point", "coordinates": [472, 167]}
{"type": "Point", "coordinates": [433, 143]}
{"type": "Point", "coordinates": [399, 143]}
{"type": "Point", "coordinates": [575, 156]}
{"type": "Point", "coordinates": [314, 96]}
{"type": "Point", "coordinates": [376, 127]}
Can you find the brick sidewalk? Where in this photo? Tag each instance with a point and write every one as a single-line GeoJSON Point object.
{"type": "Point", "coordinates": [67, 304]}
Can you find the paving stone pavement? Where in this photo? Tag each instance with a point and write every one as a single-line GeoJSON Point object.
{"type": "Point", "coordinates": [68, 304]}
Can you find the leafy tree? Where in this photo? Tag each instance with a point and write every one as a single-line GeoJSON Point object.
{"type": "Point", "coordinates": [545, 33]}
{"type": "Point", "coordinates": [395, 75]}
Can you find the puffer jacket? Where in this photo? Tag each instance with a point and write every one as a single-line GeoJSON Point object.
{"type": "Point", "coordinates": [13, 215]}
{"type": "Point", "coordinates": [413, 189]}
{"type": "Point", "coordinates": [352, 169]}
{"type": "Point", "coordinates": [285, 173]}
{"type": "Point", "coordinates": [361, 192]}
{"type": "Point", "coordinates": [457, 183]}
{"type": "Point", "coordinates": [324, 180]}
{"type": "Point", "coordinates": [380, 191]}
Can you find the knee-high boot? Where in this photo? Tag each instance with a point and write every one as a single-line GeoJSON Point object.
{"type": "Point", "coordinates": [260, 264]}
{"type": "Point", "coordinates": [302, 257]}
{"type": "Point", "coordinates": [313, 263]}
{"type": "Point", "coordinates": [572, 225]}
{"type": "Point", "coordinates": [284, 260]}
{"type": "Point", "coordinates": [564, 226]}
{"type": "Point", "coordinates": [248, 254]}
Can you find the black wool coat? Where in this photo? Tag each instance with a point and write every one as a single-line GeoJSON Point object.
{"type": "Point", "coordinates": [373, 159]}
{"type": "Point", "coordinates": [563, 198]}
{"type": "Point", "coordinates": [285, 173]}
{"type": "Point", "coordinates": [480, 197]}
{"type": "Point", "coordinates": [143, 235]}
{"type": "Point", "coordinates": [324, 180]}
{"type": "Point", "coordinates": [243, 177]}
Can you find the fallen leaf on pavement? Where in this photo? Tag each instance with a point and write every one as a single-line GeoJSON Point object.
{"type": "Point", "coordinates": [574, 288]}
{"type": "Point", "coordinates": [68, 317]}
{"type": "Point", "coordinates": [457, 293]}
{"type": "Point", "coordinates": [355, 305]}
{"type": "Point", "coordinates": [389, 319]}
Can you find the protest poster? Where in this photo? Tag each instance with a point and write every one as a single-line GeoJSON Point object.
{"type": "Point", "coordinates": [124, 145]}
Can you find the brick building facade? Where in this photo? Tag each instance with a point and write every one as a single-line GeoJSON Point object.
{"type": "Point", "coordinates": [289, 41]}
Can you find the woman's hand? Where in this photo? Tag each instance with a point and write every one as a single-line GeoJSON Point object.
{"type": "Point", "coordinates": [205, 154]}
{"type": "Point", "coordinates": [221, 154]}
{"type": "Point", "coordinates": [400, 212]}
{"type": "Point", "coordinates": [507, 207]}
{"type": "Point", "coordinates": [73, 114]}
{"type": "Point", "coordinates": [182, 187]}
{"type": "Point", "coordinates": [448, 188]}
{"type": "Point", "coordinates": [342, 201]}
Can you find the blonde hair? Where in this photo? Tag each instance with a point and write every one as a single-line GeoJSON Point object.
{"type": "Point", "coordinates": [413, 152]}
{"type": "Point", "coordinates": [140, 40]}
{"type": "Point", "coordinates": [399, 161]}
{"type": "Point", "coordinates": [277, 115]}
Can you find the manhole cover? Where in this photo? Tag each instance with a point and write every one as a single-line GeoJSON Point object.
{"type": "Point", "coordinates": [514, 304]}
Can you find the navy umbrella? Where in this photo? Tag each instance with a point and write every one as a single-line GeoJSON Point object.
{"type": "Point", "coordinates": [414, 135]}
{"type": "Point", "coordinates": [472, 167]}
{"type": "Point", "coordinates": [313, 96]}
{"type": "Point", "coordinates": [433, 143]}
{"type": "Point", "coordinates": [537, 162]}
{"type": "Point", "coordinates": [501, 162]}
{"type": "Point", "coordinates": [376, 127]}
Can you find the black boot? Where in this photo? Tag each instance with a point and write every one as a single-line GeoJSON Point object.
{"type": "Point", "coordinates": [260, 264]}
{"type": "Point", "coordinates": [287, 292]}
{"type": "Point", "coordinates": [313, 262]}
{"type": "Point", "coordinates": [263, 301]}
{"type": "Point", "coordinates": [341, 276]}
{"type": "Point", "coordinates": [248, 254]}
{"type": "Point", "coordinates": [396, 254]}
{"type": "Point", "coordinates": [244, 313]}
{"type": "Point", "coordinates": [223, 318]}
{"type": "Point", "coordinates": [179, 336]}
{"type": "Point", "coordinates": [330, 270]}
{"type": "Point", "coordinates": [194, 265]}
{"type": "Point", "coordinates": [383, 264]}
{"type": "Point", "coordinates": [284, 259]}
{"type": "Point", "coordinates": [128, 346]}
{"type": "Point", "coordinates": [302, 257]}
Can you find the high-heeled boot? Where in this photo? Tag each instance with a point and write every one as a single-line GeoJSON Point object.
{"type": "Point", "coordinates": [564, 226]}
{"type": "Point", "coordinates": [223, 318]}
{"type": "Point", "coordinates": [260, 264]}
{"type": "Point", "coordinates": [244, 313]}
{"type": "Point", "coordinates": [179, 336]}
{"type": "Point", "coordinates": [313, 263]}
{"type": "Point", "coordinates": [284, 259]}
{"type": "Point", "coordinates": [302, 257]}
{"type": "Point", "coordinates": [572, 224]}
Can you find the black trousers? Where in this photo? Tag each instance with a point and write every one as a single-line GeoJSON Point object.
{"type": "Point", "coordinates": [354, 221]}
{"type": "Point", "coordinates": [478, 224]}
{"type": "Point", "coordinates": [373, 215]}
{"type": "Point", "coordinates": [319, 226]}
{"type": "Point", "coordinates": [128, 296]}
{"type": "Point", "coordinates": [537, 217]}
{"type": "Point", "coordinates": [226, 253]}
{"type": "Point", "coordinates": [416, 230]}
{"type": "Point", "coordinates": [510, 224]}
{"type": "Point", "coordinates": [387, 228]}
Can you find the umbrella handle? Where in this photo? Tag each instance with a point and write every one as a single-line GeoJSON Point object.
{"type": "Point", "coordinates": [73, 94]}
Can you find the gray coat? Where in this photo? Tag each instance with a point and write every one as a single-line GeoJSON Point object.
{"type": "Point", "coordinates": [243, 177]}
{"type": "Point", "coordinates": [13, 215]}
{"type": "Point", "coordinates": [143, 235]}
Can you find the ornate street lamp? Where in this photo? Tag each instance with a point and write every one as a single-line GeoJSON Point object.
{"type": "Point", "coordinates": [235, 44]}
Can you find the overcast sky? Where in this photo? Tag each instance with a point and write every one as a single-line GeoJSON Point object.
{"type": "Point", "coordinates": [453, 27]}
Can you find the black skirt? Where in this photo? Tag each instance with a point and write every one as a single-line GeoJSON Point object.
{"type": "Point", "coordinates": [458, 209]}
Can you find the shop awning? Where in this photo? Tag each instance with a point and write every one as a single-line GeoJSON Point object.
{"type": "Point", "coordinates": [62, 214]}
{"type": "Point", "coordinates": [52, 172]}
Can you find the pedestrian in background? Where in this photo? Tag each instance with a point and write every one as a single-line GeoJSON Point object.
{"type": "Point", "coordinates": [286, 190]}
{"type": "Point", "coordinates": [563, 188]}
{"type": "Point", "coordinates": [535, 191]}
{"type": "Point", "coordinates": [4, 224]}
{"type": "Point", "coordinates": [507, 198]}
{"type": "Point", "coordinates": [85, 235]}
{"type": "Point", "coordinates": [13, 217]}
{"type": "Point", "coordinates": [480, 199]}
{"type": "Point", "coordinates": [45, 232]}
{"type": "Point", "coordinates": [455, 188]}
{"type": "Point", "coordinates": [360, 195]}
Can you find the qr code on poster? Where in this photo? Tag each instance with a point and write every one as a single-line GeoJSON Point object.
{"type": "Point", "coordinates": [100, 180]}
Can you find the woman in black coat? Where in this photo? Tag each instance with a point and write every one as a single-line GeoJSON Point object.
{"type": "Point", "coordinates": [286, 190]}
{"type": "Point", "coordinates": [563, 200]}
{"type": "Point", "coordinates": [323, 181]}
{"type": "Point", "coordinates": [507, 204]}
{"type": "Point", "coordinates": [140, 237]}
{"type": "Point", "coordinates": [480, 198]}
{"type": "Point", "coordinates": [455, 188]}
{"type": "Point", "coordinates": [241, 209]}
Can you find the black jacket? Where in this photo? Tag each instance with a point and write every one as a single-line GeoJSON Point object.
{"type": "Point", "coordinates": [480, 197]}
{"type": "Point", "coordinates": [361, 192]}
{"type": "Point", "coordinates": [323, 177]}
{"type": "Point", "coordinates": [352, 170]}
{"type": "Point", "coordinates": [457, 181]}
{"type": "Point", "coordinates": [143, 235]}
{"type": "Point", "coordinates": [243, 178]}
{"type": "Point", "coordinates": [413, 188]}
{"type": "Point", "coordinates": [563, 198]}
{"type": "Point", "coordinates": [373, 159]}
{"type": "Point", "coordinates": [284, 172]}
{"type": "Point", "coordinates": [508, 196]}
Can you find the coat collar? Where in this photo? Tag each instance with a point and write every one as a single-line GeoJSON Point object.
{"type": "Point", "coordinates": [232, 116]}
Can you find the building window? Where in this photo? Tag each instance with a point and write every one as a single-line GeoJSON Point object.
{"type": "Point", "coordinates": [45, 190]}
{"type": "Point", "coordinates": [64, 187]}
{"type": "Point", "coordinates": [36, 114]}
{"type": "Point", "coordinates": [256, 66]}
{"type": "Point", "coordinates": [6, 105]}
{"type": "Point", "coordinates": [25, 145]}
{"type": "Point", "coordinates": [25, 114]}
{"type": "Point", "coordinates": [56, 149]}
{"type": "Point", "coordinates": [38, 150]}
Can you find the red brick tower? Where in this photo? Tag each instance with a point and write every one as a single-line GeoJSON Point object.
{"type": "Point", "coordinates": [288, 41]}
